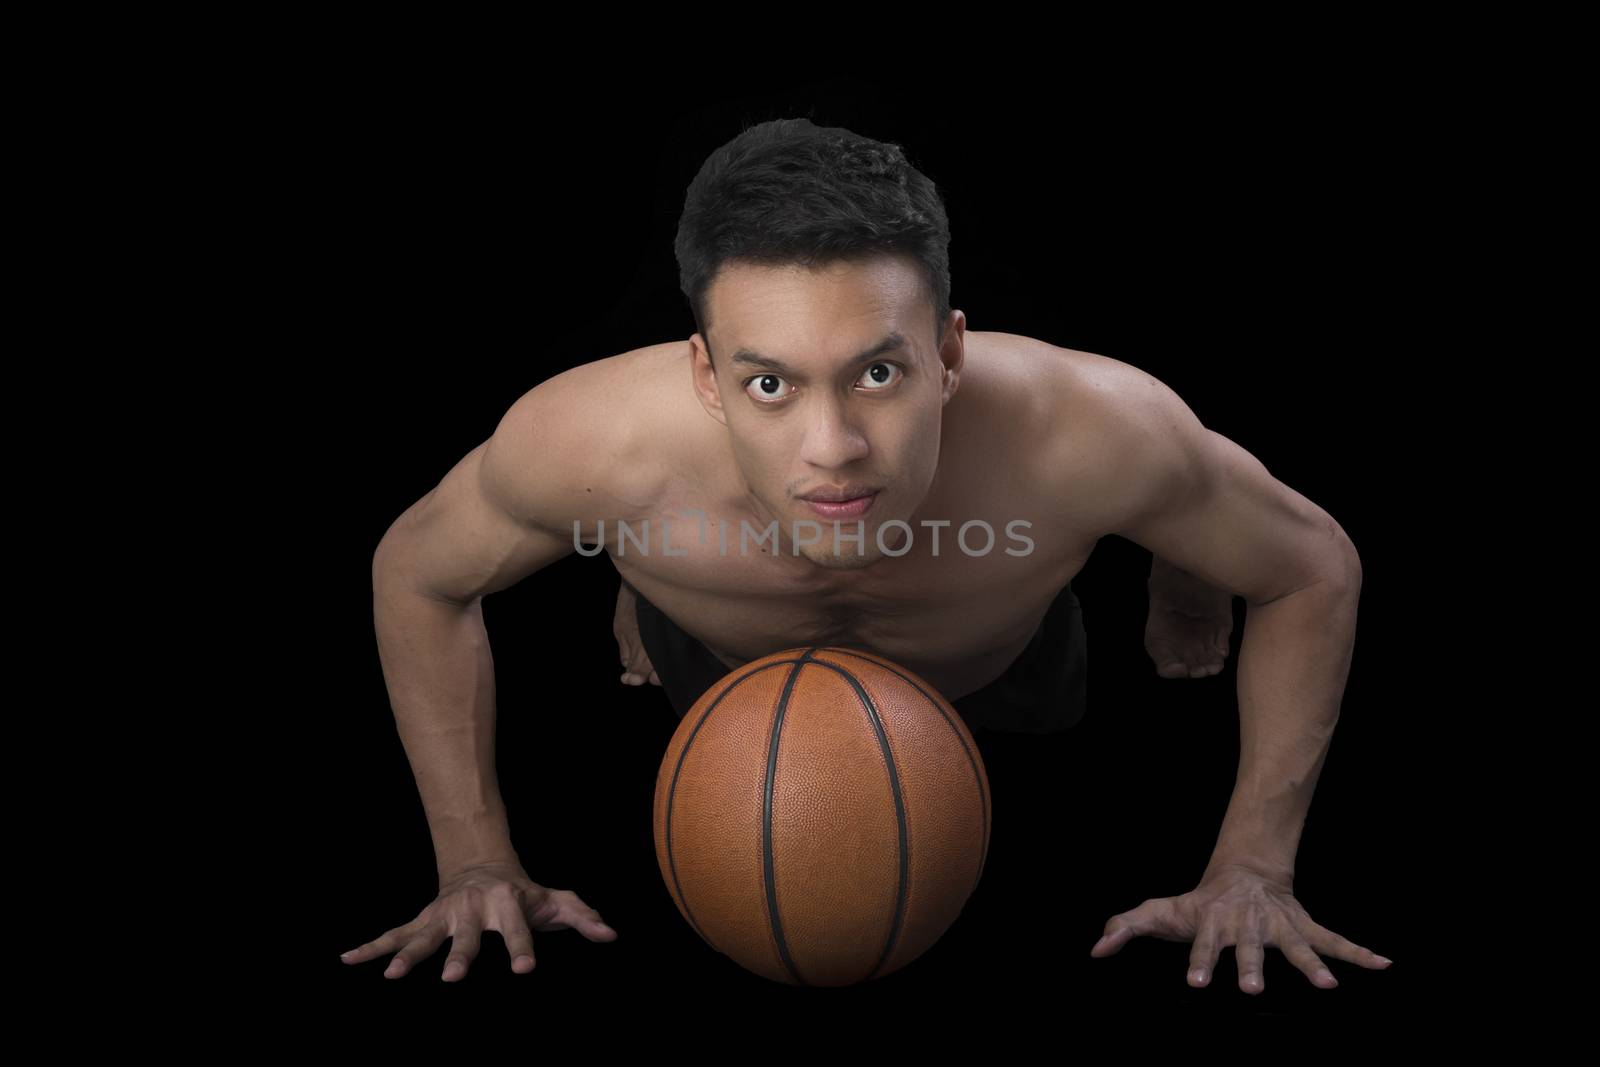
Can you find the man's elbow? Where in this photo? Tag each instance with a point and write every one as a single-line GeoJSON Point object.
{"type": "Point", "coordinates": [1337, 572]}
{"type": "Point", "coordinates": [1349, 570]}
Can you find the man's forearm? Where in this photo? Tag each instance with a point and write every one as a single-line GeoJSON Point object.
{"type": "Point", "coordinates": [1293, 663]}
{"type": "Point", "coordinates": [440, 675]}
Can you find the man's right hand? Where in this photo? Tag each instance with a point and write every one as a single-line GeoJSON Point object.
{"type": "Point", "coordinates": [499, 897]}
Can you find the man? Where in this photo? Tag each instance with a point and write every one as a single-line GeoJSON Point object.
{"type": "Point", "coordinates": [834, 459]}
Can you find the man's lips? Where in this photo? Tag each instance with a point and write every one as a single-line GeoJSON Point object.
{"type": "Point", "coordinates": [845, 509]}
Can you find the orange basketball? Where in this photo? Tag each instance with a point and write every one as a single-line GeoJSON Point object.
{"type": "Point", "coordinates": [821, 816]}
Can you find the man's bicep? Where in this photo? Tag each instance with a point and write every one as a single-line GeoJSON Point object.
{"type": "Point", "coordinates": [508, 508]}
{"type": "Point", "coordinates": [1202, 503]}
{"type": "Point", "coordinates": [465, 539]}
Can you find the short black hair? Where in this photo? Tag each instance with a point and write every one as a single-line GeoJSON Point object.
{"type": "Point", "coordinates": [787, 191]}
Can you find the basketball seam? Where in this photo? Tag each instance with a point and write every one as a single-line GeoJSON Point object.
{"type": "Point", "coordinates": [769, 873]}
{"type": "Point", "coordinates": [904, 886]}
{"type": "Point", "coordinates": [672, 791]}
{"type": "Point", "coordinates": [983, 798]}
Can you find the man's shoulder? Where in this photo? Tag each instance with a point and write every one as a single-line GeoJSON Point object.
{"type": "Point", "coordinates": [1070, 376]}
{"type": "Point", "coordinates": [594, 441]}
{"type": "Point", "coordinates": [1065, 402]}
{"type": "Point", "coordinates": [1105, 440]}
{"type": "Point", "coordinates": [1049, 385]}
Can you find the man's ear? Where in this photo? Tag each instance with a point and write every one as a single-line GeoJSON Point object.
{"type": "Point", "coordinates": [705, 379]}
{"type": "Point", "coordinates": [952, 354]}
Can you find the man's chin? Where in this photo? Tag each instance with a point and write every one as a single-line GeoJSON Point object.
{"type": "Point", "coordinates": [853, 552]}
{"type": "Point", "coordinates": [842, 561]}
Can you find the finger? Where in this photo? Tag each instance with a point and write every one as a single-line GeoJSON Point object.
{"type": "Point", "coordinates": [513, 927]}
{"type": "Point", "coordinates": [629, 678]}
{"type": "Point", "coordinates": [1329, 943]}
{"type": "Point", "coordinates": [420, 947]}
{"type": "Point", "coordinates": [1152, 918]}
{"type": "Point", "coordinates": [463, 948]}
{"type": "Point", "coordinates": [1168, 663]}
{"type": "Point", "coordinates": [1249, 954]}
{"type": "Point", "coordinates": [383, 945]}
{"type": "Point", "coordinates": [655, 679]}
{"type": "Point", "coordinates": [1207, 946]}
{"type": "Point", "coordinates": [1302, 955]}
{"type": "Point", "coordinates": [584, 919]}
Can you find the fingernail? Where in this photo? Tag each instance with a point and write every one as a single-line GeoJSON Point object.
{"type": "Point", "coordinates": [347, 955]}
{"type": "Point", "coordinates": [1325, 975]}
{"type": "Point", "coordinates": [1382, 960]}
{"type": "Point", "coordinates": [1198, 974]}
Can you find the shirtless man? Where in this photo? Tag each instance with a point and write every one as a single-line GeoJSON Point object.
{"type": "Point", "coordinates": [849, 374]}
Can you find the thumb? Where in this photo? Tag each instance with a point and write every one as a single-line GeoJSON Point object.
{"type": "Point", "coordinates": [1151, 917]}
{"type": "Point", "coordinates": [1118, 933]}
{"type": "Point", "coordinates": [595, 928]}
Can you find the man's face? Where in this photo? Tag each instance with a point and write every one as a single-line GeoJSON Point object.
{"type": "Point", "coordinates": [829, 380]}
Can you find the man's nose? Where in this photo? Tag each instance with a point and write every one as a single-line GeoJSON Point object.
{"type": "Point", "coordinates": [833, 442]}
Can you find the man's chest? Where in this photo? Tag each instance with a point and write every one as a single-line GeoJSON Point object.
{"type": "Point", "coordinates": [956, 607]}
{"type": "Point", "coordinates": [989, 547]}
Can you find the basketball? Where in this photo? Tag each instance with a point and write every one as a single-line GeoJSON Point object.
{"type": "Point", "coordinates": [822, 816]}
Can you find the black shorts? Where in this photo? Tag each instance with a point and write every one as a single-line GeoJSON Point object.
{"type": "Point", "coordinates": [1043, 691]}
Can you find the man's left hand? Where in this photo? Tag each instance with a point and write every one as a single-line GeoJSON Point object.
{"type": "Point", "coordinates": [1239, 906]}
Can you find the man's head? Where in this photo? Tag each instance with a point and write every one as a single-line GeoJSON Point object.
{"type": "Point", "coordinates": [816, 265]}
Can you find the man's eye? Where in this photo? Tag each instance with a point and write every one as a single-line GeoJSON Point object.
{"type": "Point", "coordinates": [889, 376]}
{"type": "Point", "coordinates": [765, 387]}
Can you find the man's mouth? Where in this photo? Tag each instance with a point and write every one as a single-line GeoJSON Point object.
{"type": "Point", "coordinates": [835, 505]}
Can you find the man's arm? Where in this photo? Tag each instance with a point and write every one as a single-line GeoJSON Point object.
{"type": "Point", "coordinates": [503, 512]}
{"type": "Point", "coordinates": [1199, 501]}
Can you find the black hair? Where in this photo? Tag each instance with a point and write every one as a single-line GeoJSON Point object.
{"type": "Point", "coordinates": [787, 191]}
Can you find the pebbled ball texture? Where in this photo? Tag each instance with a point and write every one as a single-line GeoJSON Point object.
{"type": "Point", "coordinates": [822, 815]}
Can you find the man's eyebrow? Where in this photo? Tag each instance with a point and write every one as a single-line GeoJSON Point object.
{"type": "Point", "coordinates": [892, 343]}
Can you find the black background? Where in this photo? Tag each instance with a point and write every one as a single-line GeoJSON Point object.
{"type": "Point", "coordinates": [453, 237]}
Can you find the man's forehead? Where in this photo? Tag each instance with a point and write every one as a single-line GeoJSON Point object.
{"type": "Point", "coordinates": [894, 341]}
{"type": "Point", "coordinates": [840, 311]}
